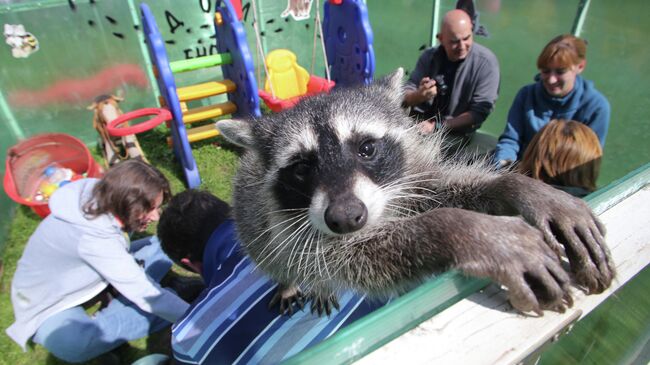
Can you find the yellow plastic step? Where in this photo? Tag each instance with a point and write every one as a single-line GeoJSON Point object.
{"type": "Point", "coordinates": [199, 133]}
{"type": "Point", "coordinates": [208, 111]}
{"type": "Point", "coordinates": [200, 91]}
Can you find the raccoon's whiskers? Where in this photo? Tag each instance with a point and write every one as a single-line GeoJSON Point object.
{"type": "Point", "coordinates": [297, 216]}
{"type": "Point", "coordinates": [408, 184]}
{"type": "Point", "coordinates": [409, 129]}
{"type": "Point", "coordinates": [295, 243]}
{"type": "Point", "coordinates": [295, 220]}
{"type": "Point", "coordinates": [412, 176]}
{"type": "Point", "coordinates": [317, 260]}
{"type": "Point", "coordinates": [312, 271]}
{"type": "Point", "coordinates": [421, 188]}
{"type": "Point", "coordinates": [303, 230]}
{"type": "Point", "coordinates": [401, 211]}
{"type": "Point", "coordinates": [304, 221]}
{"type": "Point", "coordinates": [324, 255]}
{"type": "Point", "coordinates": [342, 257]}
{"type": "Point", "coordinates": [286, 210]}
{"type": "Point", "coordinates": [306, 253]}
{"type": "Point", "coordinates": [294, 190]}
{"type": "Point", "coordinates": [413, 197]}
{"type": "Point", "coordinates": [312, 263]}
{"type": "Point", "coordinates": [411, 186]}
{"type": "Point", "coordinates": [254, 184]}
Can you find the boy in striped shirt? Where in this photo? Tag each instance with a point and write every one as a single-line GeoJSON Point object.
{"type": "Point", "coordinates": [231, 322]}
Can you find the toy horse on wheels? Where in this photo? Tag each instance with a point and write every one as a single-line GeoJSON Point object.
{"type": "Point", "coordinates": [114, 149]}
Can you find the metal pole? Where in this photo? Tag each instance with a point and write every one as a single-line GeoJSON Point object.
{"type": "Point", "coordinates": [581, 15]}
{"type": "Point", "coordinates": [135, 17]}
{"type": "Point", "coordinates": [435, 23]}
{"type": "Point", "coordinates": [14, 127]}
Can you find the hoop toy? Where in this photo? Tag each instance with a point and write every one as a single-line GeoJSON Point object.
{"type": "Point", "coordinates": [161, 115]}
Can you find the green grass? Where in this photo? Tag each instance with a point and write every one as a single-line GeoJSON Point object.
{"type": "Point", "coordinates": [217, 162]}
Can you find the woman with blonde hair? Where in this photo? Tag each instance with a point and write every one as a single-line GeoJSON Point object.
{"type": "Point", "coordinates": [558, 93]}
{"type": "Point", "coordinates": [565, 154]}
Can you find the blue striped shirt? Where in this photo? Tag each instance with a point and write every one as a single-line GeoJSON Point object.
{"type": "Point", "coordinates": [230, 322]}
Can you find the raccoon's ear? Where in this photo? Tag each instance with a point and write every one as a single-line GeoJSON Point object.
{"type": "Point", "coordinates": [237, 131]}
{"type": "Point", "coordinates": [394, 84]}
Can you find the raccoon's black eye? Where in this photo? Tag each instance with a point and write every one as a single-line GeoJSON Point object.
{"type": "Point", "coordinates": [367, 149]}
{"type": "Point", "coordinates": [301, 170]}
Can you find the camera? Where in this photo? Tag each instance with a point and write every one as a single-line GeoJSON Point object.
{"type": "Point", "coordinates": [441, 85]}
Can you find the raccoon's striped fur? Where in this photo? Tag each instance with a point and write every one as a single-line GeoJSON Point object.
{"type": "Point", "coordinates": [342, 192]}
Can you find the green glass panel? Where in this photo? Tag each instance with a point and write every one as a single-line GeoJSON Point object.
{"type": "Point", "coordinates": [277, 29]}
{"type": "Point", "coordinates": [618, 64]}
{"type": "Point", "coordinates": [390, 321]}
{"type": "Point", "coordinates": [84, 52]}
{"type": "Point", "coordinates": [616, 332]}
{"type": "Point", "coordinates": [87, 48]}
{"type": "Point", "coordinates": [401, 30]}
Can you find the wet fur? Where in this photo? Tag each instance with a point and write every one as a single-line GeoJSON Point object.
{"type": "Point", "coordinates": [427, 215]}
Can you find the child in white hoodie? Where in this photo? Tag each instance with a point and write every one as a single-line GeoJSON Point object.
{"type": "Point", "coordinates": [79, 250]}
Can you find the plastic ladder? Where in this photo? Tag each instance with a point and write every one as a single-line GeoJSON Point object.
{"type": "Point", "coordinates": [239, 83]}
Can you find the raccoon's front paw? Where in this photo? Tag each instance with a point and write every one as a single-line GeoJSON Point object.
{"type": "Point", "coordinates": [525, 265]}
{"type": "Point", "coordinates": [570, 227]}
{"type": "Point", "coordinates": [324, 303]}
{"type": "Point", "coordinates": [582, 235]}
{"type": "Point", "coordinates": [287, 297]}
{"type": "Point", "coordinates": [534, 276]}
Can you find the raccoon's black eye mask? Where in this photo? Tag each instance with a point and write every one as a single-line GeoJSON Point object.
{"type": "Point", "coordinates": [294, 185]}
{"type": "Point", "coordinates": [301, 170]}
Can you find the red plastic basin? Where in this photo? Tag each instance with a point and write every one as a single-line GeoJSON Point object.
{"type": "Point", "coordinates": [27, 160]}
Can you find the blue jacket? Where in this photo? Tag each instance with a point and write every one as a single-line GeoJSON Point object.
{"type": "Point", "coordinates": [533, 108]}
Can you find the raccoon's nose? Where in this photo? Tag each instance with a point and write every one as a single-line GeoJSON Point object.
{"type": "Point", "coordinates": [346, 214]}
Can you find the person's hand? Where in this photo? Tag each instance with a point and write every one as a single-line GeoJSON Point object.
{"type": "Point", "coordinates": [427, 126]}
{"type": "Point", "coordinates": [427, 90]}
{"type": "Point", "coordinates": [504, 163]}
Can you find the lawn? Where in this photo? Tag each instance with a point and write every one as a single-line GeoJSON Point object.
{"type": "Point", "coordinates": [217, 162]}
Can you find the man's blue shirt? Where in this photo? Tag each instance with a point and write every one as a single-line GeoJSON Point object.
{"type": "Point", "coordinates": [230, 322]}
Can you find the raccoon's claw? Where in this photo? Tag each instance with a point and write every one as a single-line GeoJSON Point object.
{"type": "Point", "coordinates": [543, 287]}
{"type": "Point", "coordinates": [517, 257]}
{"type": "Point", "coordinates": [287, 297]}
{"type": "Point", "coordinates": [587, 252]}
{"type": "Point", "coordinates": [322, 304]}
{"type": "Point", "coordinates": [569, 227]}
{"type": "Point", "coordinates": [537, 282]}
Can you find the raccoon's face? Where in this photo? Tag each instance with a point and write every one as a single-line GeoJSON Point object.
{"type": "Point", "coordinates": [332, 161]}
{"type": "Point", "coordinates": [338, 171]}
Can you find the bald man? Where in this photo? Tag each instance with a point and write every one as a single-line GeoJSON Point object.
{"type": "Point", "coordinates": [454, 84]}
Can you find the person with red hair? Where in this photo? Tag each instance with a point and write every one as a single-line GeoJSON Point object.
{"type": "Point", "coordinates": [559, 93]}
{"type": "Point", "coordinates": [565, 154]}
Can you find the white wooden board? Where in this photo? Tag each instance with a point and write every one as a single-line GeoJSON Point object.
{"type": "Point", "coordinates": [484, 329]}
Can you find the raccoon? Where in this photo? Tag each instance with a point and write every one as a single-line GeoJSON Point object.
{"type": "Point", "coordinates": [342, 192]}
